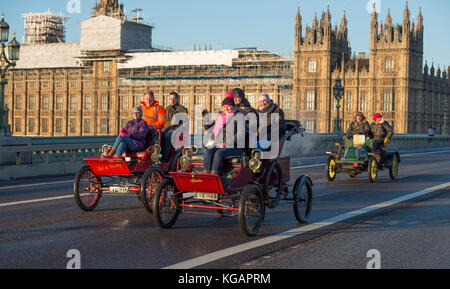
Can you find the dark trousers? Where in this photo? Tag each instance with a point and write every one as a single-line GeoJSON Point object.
{"type": "Point", "coordinates": [167, 145]}
{"type": "Point", "coordinates": [214, 158]}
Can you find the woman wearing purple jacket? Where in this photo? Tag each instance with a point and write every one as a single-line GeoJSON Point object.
{"type": "Point", "coordinates": [132, 137]}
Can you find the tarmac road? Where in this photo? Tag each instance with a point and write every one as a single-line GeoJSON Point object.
{"type": "Point", "coordinates": [41, 223]}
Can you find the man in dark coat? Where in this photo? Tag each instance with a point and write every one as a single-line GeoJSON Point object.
{"type": "Point", "coordinates": [359, 127]}
{"type": "Point", "coordinates": [266, 105]}
{"type": "Point", "coordinates": [173, 108]}
{"type": "Point", "coordinates": [381, 130]}
{"type": "Point", "coordinates": [242, 104]}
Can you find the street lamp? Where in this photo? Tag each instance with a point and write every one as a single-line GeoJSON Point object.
{"type": "Point", "coordinates": [5, 64]}
{"type": "Point", "coordinates": [338, 93]}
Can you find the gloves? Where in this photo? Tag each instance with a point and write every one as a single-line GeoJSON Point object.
{"type": "Point", "coordinates": [386, 141]}
{"type": "Point", "coordinates": [124, 133]}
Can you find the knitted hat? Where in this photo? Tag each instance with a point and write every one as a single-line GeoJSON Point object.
{"type": "Point", "coordinates": [376, 116]}
{"type": "Point", "coordinates": [229, 100]}
{"type": "Point", "coordinates": [137, 109]}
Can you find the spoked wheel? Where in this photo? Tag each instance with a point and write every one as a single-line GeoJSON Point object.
{"type": "Point", "coordinates": [302, 199]}
{"type": "Point", "coordinates": [372, 169]}
{"type": "Point", "coordinates": [393, 170]}
{"type": "Point", "coordinates": [251, 210]}
{"type": "Point", "coordinates": [87, 189]}
{"type": "Point", "coordinates": [273, 184]}
{"type": "Point", "coordinates": [166, 204]}
{"type": "Point", "coordinates": [331, 168]}
{"type": "Point", "coordinates": [150, 182]}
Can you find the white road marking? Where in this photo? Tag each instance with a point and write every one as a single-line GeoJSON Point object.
{"type": "Point", "coordinates": [35, 201]}
{"type": "Point", "coordinates": [189, 264]}
{"type": "Point", "coordinates": [35, 185]}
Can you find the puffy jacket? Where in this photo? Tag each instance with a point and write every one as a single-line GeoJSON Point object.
{"type": "Point", "coordinates": [274, 108]}
{"type": "Point", "coordinates": [170, 112]}
{"type": "Point", "coordinates": [138, 130]}
{"type": "Point", "coordinates": [155, 115]}
{"type": "Point", "coordinates": [245, 107]}
{"type": "Point", "coordinates": [382, 131]}
{"type": "Point", "coordinates": [359, 128]}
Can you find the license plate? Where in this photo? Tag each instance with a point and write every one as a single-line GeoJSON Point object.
{"type": "Point", "coordinates": [206, 196]}
{"type": "Point", "coordinates": [119, 190]}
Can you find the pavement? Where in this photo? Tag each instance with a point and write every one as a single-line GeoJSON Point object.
{"type": "Point", "coordinates": [41, 224]}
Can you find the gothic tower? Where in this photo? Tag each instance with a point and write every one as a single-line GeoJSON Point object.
{"type": "Point", "coordinates": [110, 8]}
{"type": "Point", "coordinates": [320, 51]}
{"type": "Point", "coordinates": [396, 57]}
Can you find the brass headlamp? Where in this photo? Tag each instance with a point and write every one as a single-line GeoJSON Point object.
{"type": "Point", "coordinates": [255, 162]}
{"type": "Point", "coordinates": [156, 155]}
{"type": "Point", "coordinates": [186, 158]}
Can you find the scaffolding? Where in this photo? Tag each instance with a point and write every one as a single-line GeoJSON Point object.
{"type": "Point", "coordinates": [46, 27]}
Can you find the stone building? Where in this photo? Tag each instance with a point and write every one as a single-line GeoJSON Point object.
{"type": "Point", "coordinates": [390, 80]}
{"type": "Point", "coordinates": [90, 87]}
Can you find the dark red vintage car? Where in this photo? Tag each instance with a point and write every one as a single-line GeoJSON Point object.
{"type": "Point", "coordinates": [133, 174]}
{"type": "Point", "coordinates": [248, 185]}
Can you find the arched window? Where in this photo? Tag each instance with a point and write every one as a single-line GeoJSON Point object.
{"type": "Point", "coordinates": [312, 66]}
{"type": "Point", "coordinates": [389, 64]}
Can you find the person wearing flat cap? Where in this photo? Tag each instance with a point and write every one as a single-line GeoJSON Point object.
{"type": "Point", "coordinates": [360, 126]}
{"type": "Point", "coordinates": [132, 137]}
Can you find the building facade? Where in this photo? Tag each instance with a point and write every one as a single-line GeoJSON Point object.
{"type": "Point", "coordinates": [89, 88]}
{"type": "Point", "coordinates": [390, 80]}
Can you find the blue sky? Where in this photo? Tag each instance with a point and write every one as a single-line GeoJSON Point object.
{"type": "Point", "coordinates": [266, 24]}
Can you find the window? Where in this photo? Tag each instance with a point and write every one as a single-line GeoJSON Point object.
{"type": "Point", "coordinates": [217, 100]}
{"type": "Point", "coordinates": [72, 125]}
{"type": "Point", "coordinates": [59, 84]}
{"type": "Point", "coordinates": [87, 102]}
{"type": "Point", "coordinates": [106, 66]}
{"type": "Point", "coordinates": [44, 123]}
{"type": "Point", "coordinates": [59, 102]}
{"type": "Point", "coordinates": [200, 101]}
{"type": "Point", "coordinates": [17, 123]}
{"type": "Point", "coordinates": [124, 103]}
{"type": "Point", "coordinates": [32, 102]}
{"type": "Point", "coordinates": [73, 102]}
{"type": "Point", "coordinates": [387, 101]}
{"type": "Point", "coordinates": [18, 102]}
{"type": "Point", "coordinates": [287, 102]}
{"type": "Point", "coordinates": [106, 83]}
{"type": "Point", "coordinates": [123, 122]}
{"type": "Point", "coordinates": [389, 65]}
{"type": "Point", "coordinates": [32, 84]}
{"type": "Point", "coordinates": [349, 101]}
{"type": "Point", "coordinates": [310, 100]}
{"type": "Point", "coordinates": [45, 102]}
{"type": "Point", "coordinates": [58, 125]}
{"type": "Point", "coordinates": [184, 100]}
{"type": "Point", "coordinates": [310, 126]}
{"type": "Point", "coordinates": [18, 84]}
{"type": "Point", "coordinates": [73, 84]}
{"type": "Point", "coordinates": [105, 102]}
{"type": "Point", "coordinates": [45, 84]}
{"type": "Point", "coordinates": [87, 126]}
{"type": "Point", "coordinates": [251, 97]}
{"type": "Point", "coordinates": [31, 125]}
{"type": "Point", "coordinates": [312, 66]}
{"type": "Point", "coordinates": [104, 126]}
{"type": "Point", "coordinates": [363, 101]}
{"type": "Point", "coordinates": [88, 83]}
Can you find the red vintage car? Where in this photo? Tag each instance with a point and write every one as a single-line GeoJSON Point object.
{"type": "Point", "coordinates": [133, 174]}
{"type": "Point", "coordinates": [248, 185]}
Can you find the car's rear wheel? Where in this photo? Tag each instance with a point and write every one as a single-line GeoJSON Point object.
{"type": "Point", "coordinates": [302, 199]}
{"type": "Point", "coordinates": [393, 170]}
{"type": "Point", "coordinates": [150, 182]}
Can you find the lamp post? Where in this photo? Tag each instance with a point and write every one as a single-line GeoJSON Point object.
{"type": "Point", "coordinates": [445, 110]}
{"type": "Point", "coordinates": [338, 93]}
{"type": "Point", "coordinates": [5, 64]}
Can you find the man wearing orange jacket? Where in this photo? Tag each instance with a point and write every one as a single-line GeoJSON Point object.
{"type": "Point", "coordinates": [152, 112]}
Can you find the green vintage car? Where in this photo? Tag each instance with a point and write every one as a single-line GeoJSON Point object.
{"type": "Point", "coordinates": [360, 154]}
